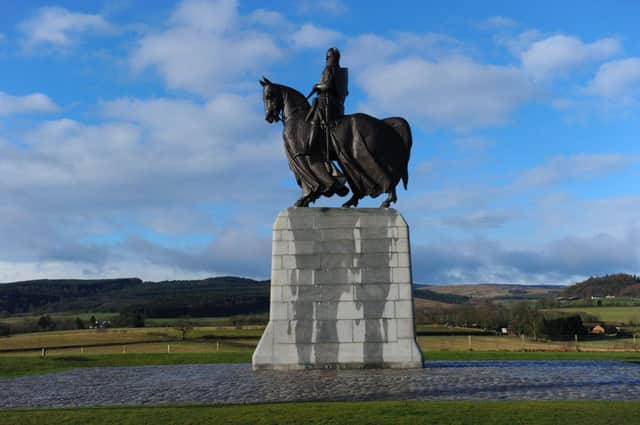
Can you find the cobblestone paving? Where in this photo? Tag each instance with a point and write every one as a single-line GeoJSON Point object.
{"type": "Point", "coordinates": [237, 383]}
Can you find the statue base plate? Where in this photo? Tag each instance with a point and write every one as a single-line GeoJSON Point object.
{"type": "Point", "coordinates": [341, 292]}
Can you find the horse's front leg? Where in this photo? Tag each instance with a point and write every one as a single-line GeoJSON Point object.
{"type": "Point", "coordinates": [307, 199]}
{"type": "Point", "coordinates": [352, 202]}
{"type": "Point", "coordinates": [391, 198]}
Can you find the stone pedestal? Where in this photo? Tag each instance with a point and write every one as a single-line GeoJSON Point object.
{"type": "Point", "coordinates": [340, 292]}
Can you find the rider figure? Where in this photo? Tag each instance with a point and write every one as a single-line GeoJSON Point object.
{"type": "Point", "coordinates": [328, 106]}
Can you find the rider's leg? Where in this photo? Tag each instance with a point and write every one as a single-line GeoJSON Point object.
{"type": "Point", "coordinates": [314, 134]}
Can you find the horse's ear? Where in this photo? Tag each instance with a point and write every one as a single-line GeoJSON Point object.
{"type": "Point", "coordinates": [266, 80]}
{"type": "Point", "coordinates": [262, 83]}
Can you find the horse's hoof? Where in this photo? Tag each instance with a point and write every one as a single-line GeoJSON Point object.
{"type": "Point", "coordinates": [350, 203]}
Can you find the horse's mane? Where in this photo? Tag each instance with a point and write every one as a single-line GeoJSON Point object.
{"type": "Point", "coordinates": [295, 96]}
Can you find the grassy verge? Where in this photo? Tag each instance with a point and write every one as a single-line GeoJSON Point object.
{"type": "Point", "coordinates": [532, 355]}
{"type": "Point", "coordinates": [395, 412]}
{"type": "Point", "coordinates": [22, 365]}
{"type": "Point", "coordinates": [18, 366]}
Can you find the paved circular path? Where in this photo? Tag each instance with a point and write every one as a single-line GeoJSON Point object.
{"type": "Point", "coordinates": [237, 383]}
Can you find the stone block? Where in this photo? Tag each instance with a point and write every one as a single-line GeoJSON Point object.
{"type": "Point", "coordinates": [404, 309]}
{"type": "Point", "coordinates": [339, 276]}
{"type": "Point", "coordinates": [340, 291]}
{"type": "Point", "coordinates": [338, 261]}
{"type": "Point", "coordinates": [339, 310]}
{"type": "Point", "coordinates": [405, 292]}
{"type": "Point", "coordinates": [339, 234]}
{"type": "Point", "coordinates": [374, 330]}
{"type": "Point", "coordinates": [339, 246]}
{"type": "Point", "coordinates": [401, 274]}
{"type": "Point", "coordinates": [371, 275]}
{"type": "Point", "coordinates": [375, 292]}
{"type": "Point", "coordinates": [336, 292]}
{"type": "Point", "coordinates": [405, 328]}
{"type": "Point", "coordinates": [279, 311]}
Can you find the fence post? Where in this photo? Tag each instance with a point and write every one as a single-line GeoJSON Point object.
{"type": "Point", "coordinates": [124, 349]}
{"type": "Point", "coordinates": [81, 350]}
{"type": "Point", "coordinates": [217, 346]}
{"type": "Point", "coordinates": [523, 344]}
{"type": "Point", "coordinates": [576, 339]}
{"type": "Point", "coordinates": [168, 348]}
{"type": "Point", "coordinates": [43, 353]}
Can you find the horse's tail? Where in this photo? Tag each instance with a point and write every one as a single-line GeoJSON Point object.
{"type": "Point", "coordinates": [401, 126]}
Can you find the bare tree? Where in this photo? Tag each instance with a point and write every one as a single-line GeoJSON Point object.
{"type": "Point", "coordinates": [183, 327]}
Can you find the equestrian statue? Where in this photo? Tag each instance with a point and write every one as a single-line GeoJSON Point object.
{"type": "Point", "coordinates": [327, 149]}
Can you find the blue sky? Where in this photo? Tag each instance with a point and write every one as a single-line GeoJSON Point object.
{"type": "Point", "coordinates": [133, 141]}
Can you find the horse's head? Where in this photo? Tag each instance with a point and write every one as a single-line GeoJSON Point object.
{"type": "Point", "coordinates": [273, 100]}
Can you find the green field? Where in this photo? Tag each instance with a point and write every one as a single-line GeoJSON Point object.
{"type": "Point", "coordinates": [610, 315]}
{"type": "Point", "coordinates": [351, 413]}
{"type": "Point", "coordinates": [58, 316]}
{"type": "Point", "coordinates": [208, 339]}
{"type": "Point", "coordinates": [18, 366]}
{"type": "Point", "coordinates": [11, 366]}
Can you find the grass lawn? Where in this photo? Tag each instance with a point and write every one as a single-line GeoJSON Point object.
{"type": "Point", "coordinates": [11, 366]}
{"type": "Point", "coordinates": [383, 412]}
{"type": "Point", "coordinates": [120, 336]}
{"type": "Point", "coordinates": [18, 366]}
{"type": "Point", "coordinates": [514, 343]}
{"type": "Point", "coordinates": [532, 355]}
{"type": "Point", "coordinates": [617, 315]}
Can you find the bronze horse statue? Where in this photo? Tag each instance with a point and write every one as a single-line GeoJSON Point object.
{"type": "Point", "coordinates": [372, 154]}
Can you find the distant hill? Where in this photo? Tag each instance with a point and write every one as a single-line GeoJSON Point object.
{"type": "Point", "coordinates": [426, 292]}
{"type": "Point", "coordinates": [496, 292]}
{"type": "Point", "coordinates": [220, 296]}
{"type": "Point", "coordinates": [618, 285]}
{"type": "Point", "coordinates": [213, 297]}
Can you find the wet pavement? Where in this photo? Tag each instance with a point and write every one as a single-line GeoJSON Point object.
{"type": "Point", "coordinates": [237, 383]}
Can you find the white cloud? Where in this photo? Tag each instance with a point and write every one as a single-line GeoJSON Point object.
{"type": "Point", "coordinates": [563, 260]}
{"type": "Point", "coordinates": [477, 220]}
{"type": "Point", "coordinates": [497, 22]}
{"type": "Point", "coordinates": [204, 48]}
{"type": "Point", "coordinates": [59, 27]}
{"type": "Point", "coordinates": [27, 270]}
{"type": "Point", "coordinates": [560, 53]}
{"type": "Point", "coordinates": [570, 215]}
{"type": "Point", "coordinates": [333, 7]}
{"type": "Point", "coordinates": [581, 166]}
{"type": "Point", "coordinates": [311, 36]}
{"type": "Point", "coordinates": [154, 167]}
{"type": "Point", "coordinates": [364, 50]}
{"type": "Point", "coordinates": [206, 16]}
{"type": "Point", "coordinates": [616, 79]}
{"type": "Point", "coordinates": [269, 19]}
{"type": "Point", "coordinates": [35, 102]}
{"type": "Point", "coordinates": [454, 92]}
{"type": "Point", "coordinates": [472, 143]}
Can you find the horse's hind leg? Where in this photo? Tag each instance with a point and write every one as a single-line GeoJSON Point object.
{"type": "Point", "coordinates": [305, 200]}
{"type": "Point", "coordinates": [391, 198]}
{"type": "Point", "coordinates": [352, 202]}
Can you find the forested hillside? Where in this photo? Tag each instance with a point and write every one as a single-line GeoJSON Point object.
{"type": "Point", "coordinates": [220, 296]}
{"type": "Point", "coordinates": [618, 285]}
